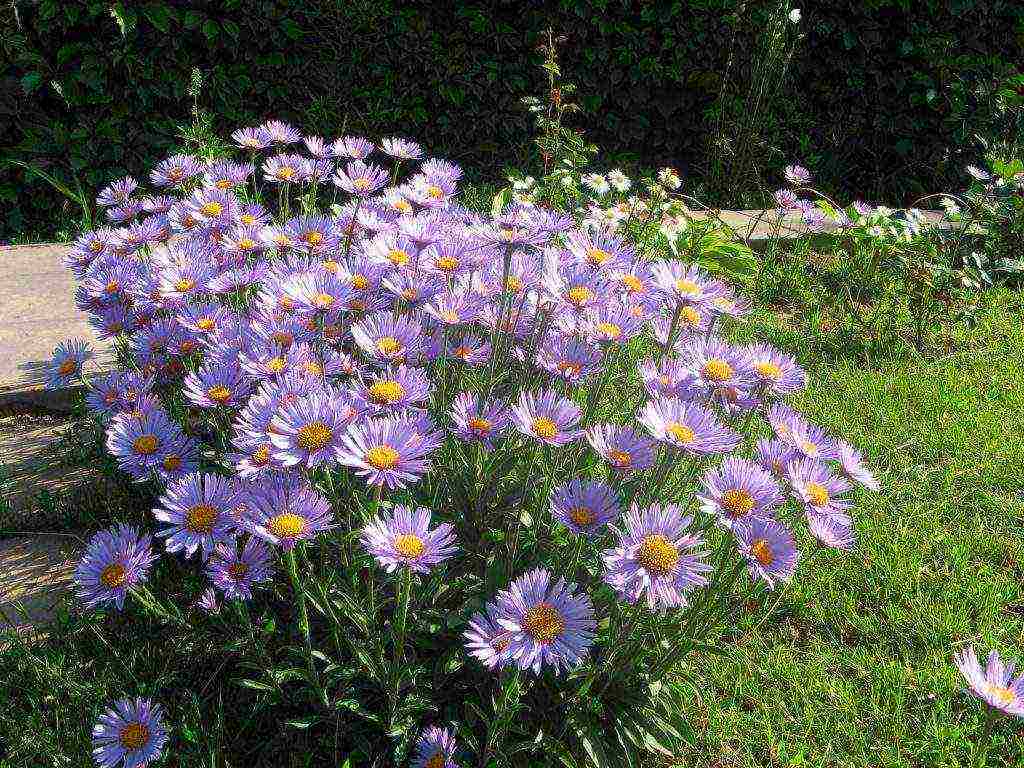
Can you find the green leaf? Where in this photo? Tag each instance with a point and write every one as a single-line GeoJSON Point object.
{"type": "Point", "coordinates": [30, 81]}
{"type": "Point", "coordinates": [500, 201]}
{"type": "Point", "coordinates": [159, 16]}
{"type": "Point", "coordinates": [211, 30]}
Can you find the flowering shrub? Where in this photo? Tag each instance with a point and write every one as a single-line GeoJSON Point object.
{"type": "Point", "coordinates": [498, 473]}
{"type": "Point", "coordinates": [996, 199]}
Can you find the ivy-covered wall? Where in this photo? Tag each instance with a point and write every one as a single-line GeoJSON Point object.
{"type": "Point", "coordinates": [879, 94]}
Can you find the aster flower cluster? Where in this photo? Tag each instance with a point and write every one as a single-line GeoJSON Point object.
{"type": "Point", "coordinates": [438, 391]}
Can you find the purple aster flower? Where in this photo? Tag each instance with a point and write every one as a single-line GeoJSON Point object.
{"type": "Point", "coordinates": [851, 462]}
{"type": "Point", "coordinates": [130, 734]}
{"type": "Point", "coordinates": [406, 539]}
{"type": "Point", "coordinates": [584, 507]}
{"type": "Point", "coordinates": [774, 456]}
{"type": "Point", "coordinates": [688, 427]}
{"type": "Point", "coordinates": [279, 132]}
{"type": "Point", "coordinates": [115, 560]}
{"type": "Point", "coordinates": [830, 531]}
{"type": "Point", "coordinates": [569, 358]}
{"type": "Point", "coordinates": [385, 339]}
{"type": "Point", "coordinates": [550, 623]}
{"type": "Point", "coordinates": [475, 421]}
{"type": "Point", "coordinates": [315, 235]}
{"type": "Point", "coordinates": [863, 209]}
{"type": "Point", "coordinates": [393, 390]}
{"type": "Point", "coordinates": [117, 193]}
{"type": "Point", "coordinates": [576, 288]}
{"type": "Point", "coordinates": [308, 431]}
{"type": "Point", "coordinates": [668, 378]}
{"type": "Point", "coordinates": [995, 684]}
{"type": "Point", "coordinates": [597, 250]}
{"type": "Point", "coordinates": [684, 284]}
{"type": "Point", "coordinates": [785, 200]}
{"type": "Point", "coordinates": [722, 370]}
{"type": "Point", "coordinates": [207, 602]}
{"type": "Point", "coordinates": [235, 573]}
{"type": "Point", "coordinates": [797, 175]}
{"type": "Point", "coordinates": [360, 179]}
{"type": "Point", "coordinates": [286, 512]}
{"type": "Point", "coordinates": [453, 307]}
{"type": "Point", "coordinates": [320, 294]}
{"type": "Point", "coordinates": [414, 289]}
{"type": "Point", "coordinates": [470, 350]}
{"type": "Point", "coordinates": [656, 558]}
{"type": "Point", "coordinates": [195, 509]}
{"type": "Point", "coordinates": [179, 457]}
{"type": "Point", "coordinates": [613, 323]}
{"type": "Point", "coordinates": [389, 452]}
{"type": "Point", "coordinates": [737, 490]}
{"type": "Point", "coordinates": [216, 384]}
{"type": "Point", "coordinates": [286, 169]}
{"type": "Point", "coordinates": [810, 440]}
{"type": "Point", "coordinates": [251, 138]}
{"type": "Point", "coordinates": [486, 640]}
{"type": "Point", "coordinates": [769, 549]}
{"type": "Point", "coordinates": [435, 748]}
{"type": "Point", "coordinates": [66, 366]}
{"type": "Point", "coordinates": [548, 417]}
{"type": "Point", "coordinates": [814, 484]}
{"type": "Point", "coordinates": [621, 447]}
{"type": "Point", "coordinates": [175, 171]}
{"type": "Point", "coordinates": [225, 174]}
{"type": "Point", "coordinates": [776, 372]}
{"type": "Point", "coordinates": [402, 149]}
{"type": "Point", "coordinates": [139, 444]}
{"type": "Point", "coordinates": [353, 147]}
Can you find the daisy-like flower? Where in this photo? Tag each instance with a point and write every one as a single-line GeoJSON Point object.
{"type": "Point", "coordinates": [315, 235]}
{"type": "Point", "coordinates": [769, 549]}
{"type": "Point", "coordinates": [353, 147]}
{"type": "Point", "coordinates": [774, 456]}
{"type": "Point", "coordinates": [547, 416]}
{"type": "Point", "coordinates": [569, 358]}
{"type": "Point", "coordinates": [584, 507]}
{"type": "Point", "coordinates": [393, 390]}
{"type": "Point", "coordinates": [596, 183]}
{"type": "Point", "coordinates": [785, 200]}
{"type": "Point", "coordinates": [402, 149]}
{"type": "Point", "coordinates": [279, 132]}
{"type": "Point", "coordinates": [435, 748]}
{"type": "Point", "coordinates": [810, 440]}
{"type": "Point", "coordinates": [251, 138]}
{"type": "Point", "coordinates": [286, 169]}
{"type": "Point", "coordinates": [227, 175]}
{"type": "Point", "coordinates": [236, 573]}
{"type": "Point", "coordinates": [688, 427]}
{"type": "Point", "coordinates": [470, 350]}
{"type": "Point", "coordinates": [360, 179]}
{"type": "Point", "coordinates": [621, 447]}
{"type": "Point", "coordinates": [389, 452]}
{"type": "Point", "coordinates": [176, 171]}
{"type": "Point", "coordinates": [308, 431]}
{"type": "Point", "coordinates": [405, 539]}
{"type": "Point", "coordinates": [776, 373]}
{"type": "Point", "coordinates": [831, 531]}
{"type": "Point", "coordinates": [66, 366]}
{"type": "Point", "coordinates": [684, 284]}
{"type": "Point", "coordinates": [598, 251]}
{"type": "Point", "coordinates": [619, 180]}
{"type": "Point", "coordinates": [738, 490]}
{"type": "Point", "coordinates": [475, 421]}
{"type": "Point", "coordinates": [613, 323]}
{"type": "Point", "coordinates": [995, 684]}
{"type": "Point", "coordinates": [139, 444]}
{"type": "Point", "coordinates": [285, 512]}
{"type": "Point", "coordinates": [207, 602]}
{"type": "Point", "coordinates": [386, 339]}
{"type": "Point", "coordinates": [851, 462]}
{"type": "Point", "coordinates": [117, 193]}
{"type": "Point", "coordinates": [195, 509]}
{"type": "Point", "coordinates": [576, 288]}
{"type": "Point", "coordinates": [797, 175]}
{"type": "Point", "coordinates": [215, 385]}
{"type": "Point", "coordinates": [721, 370]}
{"type": "Point", "coordinates": [814, 484]}
{"type": "Point", "coordinates": [130, 734]}
{"type": "Point", "coordinates": [115, 560]}
{"type": "Point", "coordinates": [486, 640]}
{"type": "Point", "coordinates": [656, 558]}
{"type": "Point", "coordinates": [550, 623]}
{"type": "Point", "coordinates": [320, 294]}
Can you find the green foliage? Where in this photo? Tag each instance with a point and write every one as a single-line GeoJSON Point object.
{"type": "Point", "coordinates": [875, 93]}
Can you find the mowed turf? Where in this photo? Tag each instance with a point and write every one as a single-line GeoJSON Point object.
{"type": "Point", "coordinates": [854, 668]}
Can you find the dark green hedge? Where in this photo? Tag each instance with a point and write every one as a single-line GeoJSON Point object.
{"type": "Point", "coordinates": [878, 93]}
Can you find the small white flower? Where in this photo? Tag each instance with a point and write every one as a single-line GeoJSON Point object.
{"type": "Point", "coordinates": [619, 180]}
{"type": "Point", "coordinates": [669, 179]}
{"type": "Point", "coordinates": [596, 183]}
{"type": "Point", "coordinates": [794, 16]}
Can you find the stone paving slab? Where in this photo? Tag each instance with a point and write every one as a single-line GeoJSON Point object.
{"type": "Point", "coordinates": [36, 575]}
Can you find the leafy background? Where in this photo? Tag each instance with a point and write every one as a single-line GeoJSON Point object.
{"type": "Point", "coordinates": [882, 99]}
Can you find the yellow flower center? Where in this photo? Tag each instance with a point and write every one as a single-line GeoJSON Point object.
{"type": "Point", "coordinates": [247, 219]}
{"type": "Point", "coordinates": [410, 294]}
{"type": "Point", "coordinates": [436, 761]}
{"type": "Point", "coordinates": [322, 300]}
{"type": "Point", "coordinates": [276, 364]}
{"type": "Point", "coordinates": [768, 370]}
{"type": "Point", "coordinates": [597, 256]}
{"type": "Point", "coordinates": [402, 206]}
{"type": "Point", "coordinates": [462, 351]}
{"type": "Point", "coordinates": [737, 502]}
{"type": "Point", "coordinates": [763, 552]}
{"type": "Point", "coordinates": [579, 295]}
{"type": "Point", "coordinates": [544, 623]}
{"type": "Point", "coordinates": [283, 338]}
{"type": "Point", "coordinates": [219, 393]}
{"type": "Point", "coordinates": [222, 184]}
{"type": "Point", "coordinates": [450, 316]}
{"type": "Point", "coordinates": [238, 570]}
{"type": "Point", "coordinates": [68, 367]}
{"type": "Point", "coordinates": [690, 316]}
{"type": "Point", "coordinates": [567, 367]}
{"type": "Point", "coordinates": [145, 444]}
{"type": "Point", "coordinates": [818, 494]}
{"type": "Point", "coordinates": [544, 427]}
{"type": "Point", "coordinates": [200, 518]}
{"type": "Point", "coordinates": [513, 284]}
{"type": "Point", "coordinates": [435, 191]}
{"type": "Point", "coordinates": [172, 463]}
{"type": "Point", "coordinates": [716, 369]}
{"type": "Point", "coordinates": [95, 246]}
{"type": "Point", "coordinates": [113, 286]}
{"type": "Point", "coordinates": [313, 238]}
{"type": "Point", "coordinates": [360, 283]}
{"type": "Point", "coordinates": [212, 208]}
{"type": "Point", "coordinates": [1002, 694]}
{"type": "Point", "coordinates": [609, 330]}
{"type": "Point", "coordinates": [409, 545]}
{"type": "Point", "coordinates": [386, 392]}
{"type": "Point", "coordinates": [447, 263]}
{"type": "Point", "coordinates": [658, 555]}
{"type": "Point", "coordinates": [133, 736]}
{"type": "Point", "coordinates": [398, 257]}
{"type": "Point", "coordinates": [286, 525]}
{"type": "Point", "coordinates": [261, 455]}
{"type": "Point", "coordinates": [633, 283]}
{"type": "Point", "coordinates": [113, 576]}
{"type": "Point", "coordinates": [479, 425]}
{"type": "Point", "coordinates": [362, 183]}
{"type": "Point", "coordinates": [582, 516]}
{"type": "Point", "coordinates": [687, 287]}
{"type": "Point", "coordinates": [313, 368]}
{"type": "Point", "coordinates": [382, 457]}
{"type": "Point", "coordinates": [680, 432]}
{"type": "Point", "coordinates": [314, 436]}
{"type": "Point", "coordinates": [808, 448]}
{"type": "Point", "coordinates": [205, 324]}
{"type": "Point", "coordinates": [388, 345]}
{"type": "Point", "coordinates": [620, 459]}
{"type": "Point", "coordinates": [287, 303]}
{"type": "Point", "coordinates": [285, 172]}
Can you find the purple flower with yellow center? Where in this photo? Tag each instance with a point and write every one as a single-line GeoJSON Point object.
{"type": "Point", "coordinates": [688, 427]}
{"type": "Point", "coordinates": [429, 193]}
{"type": "Point", "coordinates": [785, 200]}
{"type": "Point", "coordinates": [319, 294]}
{"type": "Point", "coordinates": [405, 539]}
{"type": "Point", "coordinates": [774, 456]}
{"type": "Point", "coordinates": [435, 748]}
{"type": "Point", "coordinates": [547, 416]}
{"type": "Point", "coordinates": [139, 443]}
{"type": "Point", "coordinates": [576, 288]}
{"type": "Point", "coordinates": [683, 284]}
{"type": "Point", "coordinates": [656, 558]}
{"type": "Point", "coordinates": [995, 684]}
{"type": "Point", "coordinates": [253, 139]}
{"type": "Point", "coordinates": [389, 452]}
{"type": "Point", "coordinates": [668, 378]}
{"type": "Point", "coordinates": [613, 323]}
{"type": "Point", "coordinates": [314, 235]}
{"type": "Point", "coordinates": [549, 621]}
{"type": "Point", "coordinates": [393, 390]}
{"type": "Point", "coordinates": [470, 350]}
{"type": "Point", "coordinates": [279, 132]}
{"type": "Point", "coordinates": [738, 490]}
{"type": "Point", "coordinates": [391, 250]}
{"type": "Point", "coordinates": [814, 484]}
{"type": "Point", "coordinates": [402, 149]}
{"type": "Point", "coordinates": [831, 531]}
{"type": "Point", "coordinates": [812, 441]}
{"type": "Point", "coordinates": [584, 507]}
{"type": "Point", "coordinates": [776, 373]}
{"type": "Point", "coordinates": [621, 447]}
{"type": "Point", "coordinates": [115, 560]}
{"type": "Point", "coordinates": [286, 169]}
{"type": "Point", "coordinates": [598, 251]}
{"type": "Point", "coordinates": [458, 307]}
{"type": "Point", "coordinates": [175, 171]}
{"type": "Point", "coordinates": [569, 358]}
{"type": "Point", "coordinates": [851, 462]}
{"type": "Point", "coordinates": [413, 289]}
{"type": "Point", "coordinates": [225, 174]}
{"type": "Point", "coordinates": [117, 193]}
{"type": "Point", "coordinates": [216, 385]}
{"type": "Point", "coordinates": [285, 512]}
{"type": "Point", "coordinates": [797, 175]}
{"type": "Point", "coordinates": [486, 640]}
{"type": "Point", "coordinates": [353, 147]}
{"type": "Point", "coordinates": [721, 370]}
{"type": "Point", "coordinates": [360, 179]}
{"type": "Point", "coordinates": [130, 734]}
{"type": "Point", "coordinates": [385, 339]}
{"type": "Point", "coordinates": [235, 572]}
{"type": "Point", "coordinates": [66, 366]}
{"type": "Point", "coordinates": [195, 509]}
{"type": "Point", "coordinates": [179, 457]}
{"type": "Point", "coordinates": [769, 549]}
{"type": "Point", "coordinates": [308, 431]}
{"type": "Point", "coordinates": [476, 421]}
